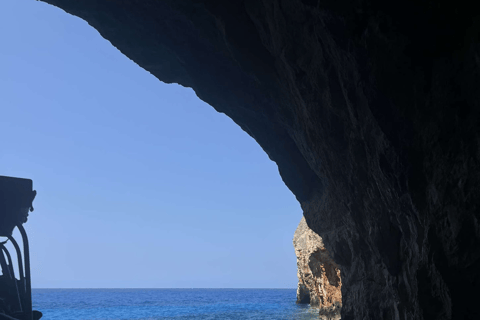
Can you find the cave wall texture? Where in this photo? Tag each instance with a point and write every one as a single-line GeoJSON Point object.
{"type": "Point", "coordinates": [370, 110]}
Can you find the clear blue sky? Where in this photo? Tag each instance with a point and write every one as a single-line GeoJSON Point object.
{"type": "Point", "coordinates": [140, 184]}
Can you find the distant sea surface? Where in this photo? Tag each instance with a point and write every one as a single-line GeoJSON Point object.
{"type": "Point", "coordinates": [83, 304]}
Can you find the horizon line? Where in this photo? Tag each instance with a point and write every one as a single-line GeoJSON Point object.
{"type": "Point", "coordinates": [167, 288]}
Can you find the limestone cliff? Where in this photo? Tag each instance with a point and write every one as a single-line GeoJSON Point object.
{"type": "Point", "coordinates": [370, 109]}
{"type": "Point", "coordinates": [319, 280]}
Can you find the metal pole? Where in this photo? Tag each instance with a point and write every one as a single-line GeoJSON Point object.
{"type": "Point", "coordinates": [12, 275]}
{"type": "Point", "coordinates": [28, 283]}
{"type": "Point", "coordinates": [9, 259]}
{"type": "Point", "coordinates": [3, 264]}
{"type": "Point", "coordinates": [20, 262]}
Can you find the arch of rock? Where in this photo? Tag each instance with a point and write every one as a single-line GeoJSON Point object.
{"type": "Point", "coordinates": [370, 110]}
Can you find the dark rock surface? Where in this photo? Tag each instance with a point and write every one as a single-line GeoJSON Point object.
{"type": "Point", "coordinates": [369, 108]}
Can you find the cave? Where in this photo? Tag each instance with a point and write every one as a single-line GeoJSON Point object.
{"type": "Point", "coordinates": [370, 109]}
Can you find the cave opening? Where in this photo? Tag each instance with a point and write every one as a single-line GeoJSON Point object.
{"type": "Point", "coordinates": [369, 112]}
{"type": "Point", "coordinates": [110, 162]}
{"type": "Point", "coordinates": [103, 115]}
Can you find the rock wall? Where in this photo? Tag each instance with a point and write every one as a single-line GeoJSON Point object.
{"type": "Point", "coordinates": [319, 279]}
{"type": "Point", "coordinates": [369, 108]}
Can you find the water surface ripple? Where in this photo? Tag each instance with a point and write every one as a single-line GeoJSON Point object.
{"type": "Point", "coordinates": [83, 304]}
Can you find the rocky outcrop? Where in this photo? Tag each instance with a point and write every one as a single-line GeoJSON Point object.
{"type": "Point", "coordinates": [370, 109]}
{"type": "Point", "coordinates": [319, 279]}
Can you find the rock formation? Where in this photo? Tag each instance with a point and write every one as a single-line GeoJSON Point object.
{"type": "Point", "coordinates": [319, 280]}
{"type": "Point", "coordinates": [369, 108]}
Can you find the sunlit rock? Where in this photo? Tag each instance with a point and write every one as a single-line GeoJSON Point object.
{"type": "Point", "coordinates": [319, 280]}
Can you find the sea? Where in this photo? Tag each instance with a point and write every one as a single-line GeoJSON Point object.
{"type": "Point", "coordinates": [83, 304]}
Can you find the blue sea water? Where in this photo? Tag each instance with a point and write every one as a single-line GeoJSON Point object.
{"type": "Point", "coordinates": [80, 304]}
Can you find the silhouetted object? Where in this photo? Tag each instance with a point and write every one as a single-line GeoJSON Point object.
{"type": "Point", "coordinates": [16, 197]}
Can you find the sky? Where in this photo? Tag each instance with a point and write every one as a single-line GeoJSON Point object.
{"type": "Point", "coordinates": [140, 184]}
